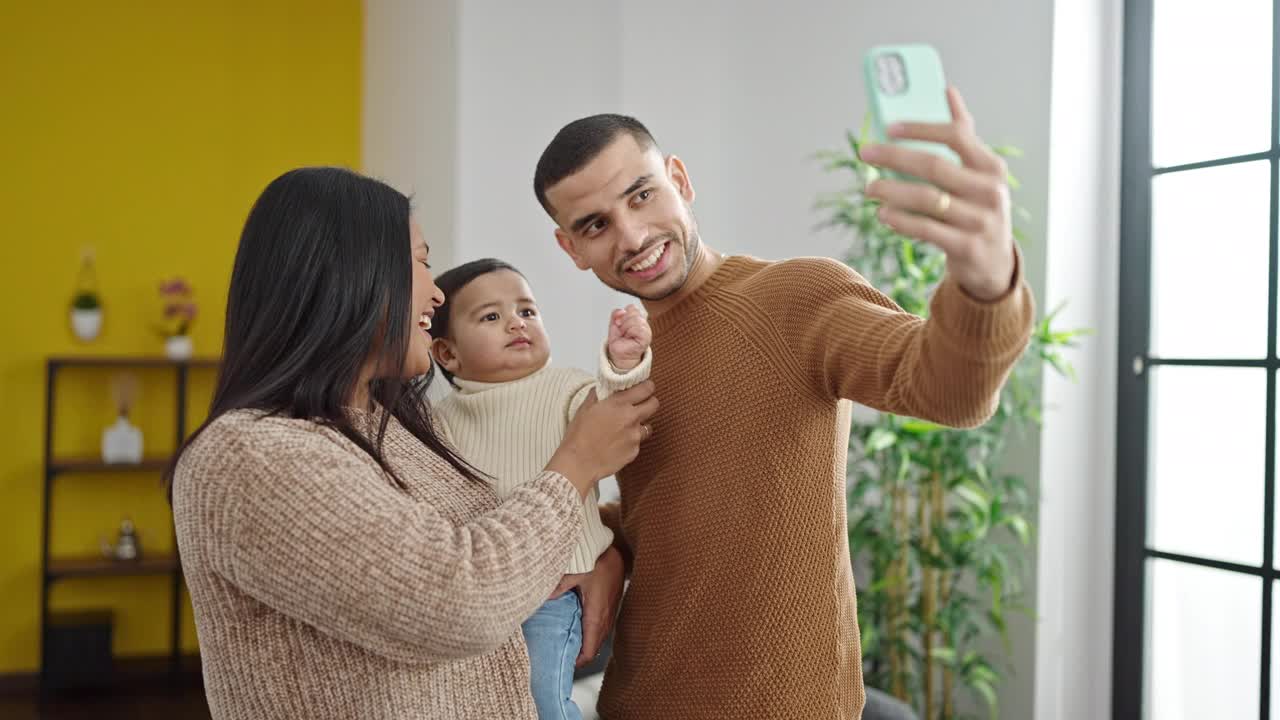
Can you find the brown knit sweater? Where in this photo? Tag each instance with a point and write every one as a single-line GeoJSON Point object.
{"type": "Point", "coordinates": [741, 602]}
{"type": "Point", "coordinates": [323, 591]}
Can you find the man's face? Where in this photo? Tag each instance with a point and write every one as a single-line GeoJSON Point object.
{"type": "Point", "coordinates": [626, 217]}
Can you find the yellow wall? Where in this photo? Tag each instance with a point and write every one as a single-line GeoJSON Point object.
{"type": "Point", "coordinates": [144, 130]}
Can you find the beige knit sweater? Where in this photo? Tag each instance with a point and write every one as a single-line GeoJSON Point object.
{"type": "Point", "coordinates": [741, 603]}
{"type": "Point", "coordinates": [323, 591]}
{"type": "Point", "coordinates": [510, 430]}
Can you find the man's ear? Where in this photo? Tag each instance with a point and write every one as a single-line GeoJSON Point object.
{"type": "Point", "coordinates": [445, 355]}
{"type": "Point", "coordinates": [566, 244]}
{"type": "Point", "coordinates": [679, 177]}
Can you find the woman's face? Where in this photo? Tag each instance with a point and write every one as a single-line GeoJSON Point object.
{"type": "Point", "coordinates": [426, 298]}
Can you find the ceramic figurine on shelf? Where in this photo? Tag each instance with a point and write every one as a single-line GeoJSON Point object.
{"type": "Point", "coordinates": [122, 441]}
{"type": "Point", "coordinates": [127, 547]}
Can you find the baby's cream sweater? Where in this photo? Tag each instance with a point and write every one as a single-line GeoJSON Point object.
{"type": "Point", "coordinates": [510, 430]}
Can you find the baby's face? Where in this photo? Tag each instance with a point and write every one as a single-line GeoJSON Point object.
{"type": "Point", "coordinates": [495, 330]}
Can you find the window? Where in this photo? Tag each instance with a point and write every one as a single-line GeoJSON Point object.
{"type": "Point", "coordinates": [1196, 436]}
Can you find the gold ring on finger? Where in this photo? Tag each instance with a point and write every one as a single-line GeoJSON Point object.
{"type": "Point", "coordinates": [943, 204]}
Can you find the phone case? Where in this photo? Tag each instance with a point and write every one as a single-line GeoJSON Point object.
{"type": "Point", "coordinates": [905, 83]}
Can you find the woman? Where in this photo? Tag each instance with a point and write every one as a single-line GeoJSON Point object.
{"type": "Point", "coordinates": [343, 561]}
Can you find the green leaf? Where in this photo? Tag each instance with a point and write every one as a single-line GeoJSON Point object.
{"type": "Point", "coordinates": [908, 249]}
{"type": "Point", "coordinates": [880, 439]}
{"type": "Point", "coordinates": [973, 495]}
{"type": "Point", "coordinates": [85, 301]}
{"type": "Point", "coordinates": [980, 471]}
{"type": "Point", "coordinates": [921, 427]}
{"type": "Point", "coordinates": [984, 673]}
{"type": "Point", "coordinates": [988, 694]}
{"type": "Point", "coordinates": [1020, 527]}
{"type": "Point", "coordinates": [904, 463]}
{"type": "Point", "coordinates": [944, 654]}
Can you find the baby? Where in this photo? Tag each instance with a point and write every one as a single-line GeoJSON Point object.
{"type": "Point", "coordinates": [509, 414]}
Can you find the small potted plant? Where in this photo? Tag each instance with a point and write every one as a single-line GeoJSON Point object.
{"type": "Point", "coordinates": [86, 307]}
{"type": "Point", "coordinates": [179, 313]}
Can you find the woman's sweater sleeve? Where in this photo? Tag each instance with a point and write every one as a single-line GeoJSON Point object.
{"type": "Point", "coordinates": [317, 532]}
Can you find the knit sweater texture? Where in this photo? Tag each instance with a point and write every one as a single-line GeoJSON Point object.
{"type": "Point", "coordinates": [322, 590]}
{"type": "Point", "coordinates": [510, 430]}
{"type": "Point", "coordinates": [733, 518]}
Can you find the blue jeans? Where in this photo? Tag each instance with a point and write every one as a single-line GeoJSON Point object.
{"type": "Point", "coordinates": [554, 637]}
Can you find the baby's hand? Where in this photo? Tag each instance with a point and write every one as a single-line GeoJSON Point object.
{"type": "Point", "coordinates": [629, 337]}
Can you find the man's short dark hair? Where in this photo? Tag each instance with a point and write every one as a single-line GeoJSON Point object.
{"type": "Point", "coordinates": [578, 143]}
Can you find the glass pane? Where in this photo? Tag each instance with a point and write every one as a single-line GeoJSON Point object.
{"type": "Point", "coordinates": [1275, 648]}
{"type": "Point", "coordinates": [1207, 461]}
{"type": "Point", "coordinates": [1205, 643]}
{"type": "Point", "coordinates": [1275, 536]}
{"type": "Point", "coordinates": [1209, 231]}
{"type": "Point", "coordinates": [1210, 80]}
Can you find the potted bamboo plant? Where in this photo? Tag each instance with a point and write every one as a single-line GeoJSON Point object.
{"type": "Point", "coordinates": [938, 533]}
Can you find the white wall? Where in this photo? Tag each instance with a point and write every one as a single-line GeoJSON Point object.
{"type": "Point", "coordinates": [1077, 461]}
{"type": "Point", "coordinates": [409, 120]}
{"type": "Point", "coordinates": [744, 93]}
{"type": "Point", "coordinates": [525, 70]}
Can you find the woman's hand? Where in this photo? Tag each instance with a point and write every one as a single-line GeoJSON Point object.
{"type": "Point", "coordinates": [604, 436]}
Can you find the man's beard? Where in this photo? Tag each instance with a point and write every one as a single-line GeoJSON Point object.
{"type": "Point", "coordinates": [691, 252]}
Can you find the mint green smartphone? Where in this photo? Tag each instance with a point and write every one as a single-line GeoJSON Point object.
{"type": "Point", "coordinates": [905, 83]}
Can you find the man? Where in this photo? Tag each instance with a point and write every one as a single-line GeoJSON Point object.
{"type": "Point", "coordinates": [731, 524]}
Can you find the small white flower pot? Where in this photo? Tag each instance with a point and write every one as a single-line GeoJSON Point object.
{"type": "Point", "coordinates": [86, 324]}
{"type": "Point", "coordinates": [178, 347]}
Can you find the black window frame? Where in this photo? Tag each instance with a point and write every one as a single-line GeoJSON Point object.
{"type": "Point", "coordinates": [1132, 552]}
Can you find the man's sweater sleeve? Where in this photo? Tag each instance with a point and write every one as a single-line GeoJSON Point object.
{"type": "Point", "coordinates": [841, 337]}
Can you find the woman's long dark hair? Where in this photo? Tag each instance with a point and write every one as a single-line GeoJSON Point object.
{"type": "Point", "coordinates": [451, 283]}
{"type": "Point", "coordinates": [322, 275]}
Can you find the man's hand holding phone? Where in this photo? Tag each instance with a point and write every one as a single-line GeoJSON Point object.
{"type": "Point", "coordinates": [943, 185]}
{"type": "Point", "coordinates": [962, 209]}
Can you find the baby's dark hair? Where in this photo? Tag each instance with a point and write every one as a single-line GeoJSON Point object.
{"type": "Point", "coordinates": [451, 283]}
